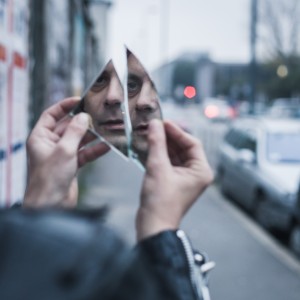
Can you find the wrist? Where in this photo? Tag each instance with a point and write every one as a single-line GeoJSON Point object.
{"type": "Point", "coordinates": [148, 225]}
{"type": "Point", "coordinates": [40, 193]}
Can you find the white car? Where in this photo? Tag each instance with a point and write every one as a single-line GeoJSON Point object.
{"type": "Point", "coordinates": [285, 108]}
{"type": "Point", "coordinates": [295, 229]}
{"type": "Point", "coordinates": [259, 166]}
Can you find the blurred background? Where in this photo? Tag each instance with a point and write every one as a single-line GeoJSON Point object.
{"type": "Point", "coordinates": [228, 72]}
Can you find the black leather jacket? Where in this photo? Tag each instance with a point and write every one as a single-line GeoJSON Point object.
{"type": "Point", "coordinates": [72, 255]}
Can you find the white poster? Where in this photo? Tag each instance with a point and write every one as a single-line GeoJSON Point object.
{"type": "Point", "coordinates": [14, 97]}
{"type": "Point", "coordinates": [3, 121]}
{"type": "Point", "coordinates": [3, 97]}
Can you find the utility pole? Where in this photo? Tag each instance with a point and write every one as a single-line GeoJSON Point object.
{"type": "Point", "coordinates": [164, 31]}
{"type": "Point", "coordinates": [253, 63]}
{"type": "Point", "coordinates": [38, 57]}
{"type": "Point", "coordinates": [164, 42]}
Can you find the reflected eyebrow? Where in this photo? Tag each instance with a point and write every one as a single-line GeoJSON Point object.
{"type": "Point", "coordinates": [153, 85]}
{"type": "Point", "coordinates": [108, 72]}
{"type": "Point", "coordinates": [104, 73]}
{"type": "Point", "coordinates": [133, 76]}
{"type": "Point", "coordinates": [110, 68]}
{"type": "Point", "coordinates": [136, 75]}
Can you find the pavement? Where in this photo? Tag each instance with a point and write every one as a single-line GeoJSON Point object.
{"type": "Point", "coordinates": [250, 264]}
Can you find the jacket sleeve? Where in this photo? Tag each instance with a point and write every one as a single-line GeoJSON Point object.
{"type": "Point", "coordinates": [175, 265]}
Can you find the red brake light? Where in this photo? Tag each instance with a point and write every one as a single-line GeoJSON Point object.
{"type": "Point", "coordinates": [189, 92]}
{"type": "Point", "coordinates": [232, 113]}
{"type": "Point", "coordinates": [211, 111]}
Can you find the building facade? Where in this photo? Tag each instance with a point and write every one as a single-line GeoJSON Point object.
{"type": "Point", "coordinates": [209, 78]}
{"type": "Point", "coordinates": [48, 50]}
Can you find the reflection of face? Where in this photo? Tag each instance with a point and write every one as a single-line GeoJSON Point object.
{"type": "Point", "coordinates": [143, 104]}
{"type": "Point", "coordinates": [103, 103]}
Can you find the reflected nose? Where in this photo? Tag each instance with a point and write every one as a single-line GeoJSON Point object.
{"type": "Point", "coordinates": [147, 100]}
{"type": "Point", "coordinates": [114, 94]}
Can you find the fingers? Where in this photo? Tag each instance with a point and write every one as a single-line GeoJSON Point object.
{"type": "Point", "coordinates": [63, 124]}
{"type": "Point", "coordinates": [56, 112]}
{"type": "Point", "coordinates": [76, 137]}
{"type": "Point", "coordinates": [91, 153]}
{"type": "Point", "coordinates": [158, 154]}
{"type": "Point", "coordinates": [187, 145]}
{"type": "Point", "coordinates": [88, 138]}
{"type": "Point", "coordinates": [176, 134]}
{"type": "Point", "coordinates": [190, 153]}
{"type": "Point", "coordinates": [74, 133]}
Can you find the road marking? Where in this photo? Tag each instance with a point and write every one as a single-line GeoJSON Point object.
{"type": "Point", "coordinates": [263, 237]}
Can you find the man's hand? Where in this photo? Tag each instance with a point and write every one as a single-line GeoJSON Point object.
{"type": "Point", "coordinates": [54, 156]}
{"type": "Point", "coordinates": [177, 172]}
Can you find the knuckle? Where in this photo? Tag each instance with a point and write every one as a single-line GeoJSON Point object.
{"type": "Point", "coordinates": [75, 127]}
{"type": "Point", "coordinates": [29, 141]}
{"type": "Point", "coordinates": [152, 164]}
{"type": "Point", "coordinates": [206, 176]}
{"type": "Point", "coordinates": [45, 113]}
{"type": "Point", "coordinates": [209, 177]}
{"type": "Point", "coordinates": [64, 151]}
{"type": "Point", "coordinates": [198, 143]}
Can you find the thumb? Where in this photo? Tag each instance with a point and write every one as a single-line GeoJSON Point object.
{"type": "Point", "coordinates": [74, 133]}
{"type": "Point", "coordinates": [158, 153]}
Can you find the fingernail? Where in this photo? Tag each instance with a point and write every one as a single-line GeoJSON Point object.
{"type": "Point", "coordinates": [83, 118]}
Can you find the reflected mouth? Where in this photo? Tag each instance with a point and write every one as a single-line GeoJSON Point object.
{"type": "Point", "coordinates": [141, 129]}
{"type": "Point", "coordinates": [113, 124]}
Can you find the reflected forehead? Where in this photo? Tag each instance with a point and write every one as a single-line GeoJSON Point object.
{"type": "Point", "coordinates": [135, 67]}
{"type": "Point", "coordinates": [110, 68]}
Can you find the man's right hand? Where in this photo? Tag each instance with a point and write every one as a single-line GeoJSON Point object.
{"type": "Point", "coordinates": [177, 173]}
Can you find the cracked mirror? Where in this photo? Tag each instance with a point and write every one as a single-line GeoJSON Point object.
{"type": "Point", "coordinates": [104, 102]}
{"type": "Point", "coordinates": [143, 105]}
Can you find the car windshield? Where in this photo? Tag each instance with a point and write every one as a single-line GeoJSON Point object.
{"type": "Point", "coordinates": [283, 147]}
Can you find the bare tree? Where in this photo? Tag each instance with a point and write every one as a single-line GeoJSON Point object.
{"type": "Point", "coordinates": [279, 27]}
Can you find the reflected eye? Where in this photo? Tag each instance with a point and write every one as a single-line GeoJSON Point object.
{"type": "Point", "coordinates": [134, 86]}
{"type": "Point", "coordinates": [101, 82]}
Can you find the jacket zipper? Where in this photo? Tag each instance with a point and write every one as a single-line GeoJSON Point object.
{"type": "Point", "coordinates": [196, 275]}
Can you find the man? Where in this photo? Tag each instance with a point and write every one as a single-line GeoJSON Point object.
{"type": "Point", "coordinates": [74, 259]}
{"type": "Point", "coordinates": [143, 102]}
{"type": "Point", "coordinates": [103, 103]}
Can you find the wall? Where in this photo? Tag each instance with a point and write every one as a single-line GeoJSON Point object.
{"type": "Point", "coordinates": [48, 51]}
{"type": "Point", "coordinates": [14, 98]}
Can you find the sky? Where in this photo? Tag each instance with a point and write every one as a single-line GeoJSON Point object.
{"type": "Point", "coordinates": [160, 30]}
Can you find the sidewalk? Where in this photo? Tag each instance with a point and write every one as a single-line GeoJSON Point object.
{"type": "Point", "coordinates": [250, 264]}
{"type": "Point", "coordinates": [112, 181]}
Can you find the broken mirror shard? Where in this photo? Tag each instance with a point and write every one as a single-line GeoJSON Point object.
{"type": "Point", "coordinates": [104, 102]}
{"type": "Point", "coordinates": [122, 109]}
{"type": "Point", "coordinates": [143, 104]}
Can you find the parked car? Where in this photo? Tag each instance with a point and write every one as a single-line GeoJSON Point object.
{"type": "Point", "coordinates": [259, 166]}
{"type": "Point", "coordinates": [285, 108]}
{"type": "Point", "coordinates": [295, 229]}
{"type": "Point", "coordinates": [216, 109]}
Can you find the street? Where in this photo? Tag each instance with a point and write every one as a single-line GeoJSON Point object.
{"type": "Point", "coordinates": [250, 263]}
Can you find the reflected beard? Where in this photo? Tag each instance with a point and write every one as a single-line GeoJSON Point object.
{"type": "Point", "coordinates": [116, 138]}
{"type": "Point", "coordinates": [140, 144]}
